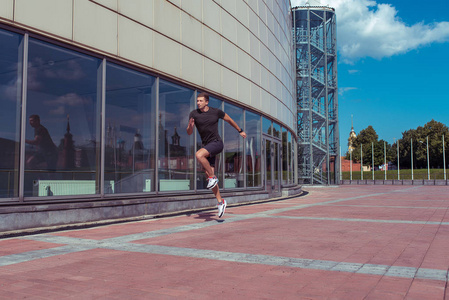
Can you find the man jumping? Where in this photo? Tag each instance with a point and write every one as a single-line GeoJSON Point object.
{"type": "Point", "coordinates": [205, 119]}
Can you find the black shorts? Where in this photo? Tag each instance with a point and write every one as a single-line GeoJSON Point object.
{"type": "Point", "coordinates": [213, 148]}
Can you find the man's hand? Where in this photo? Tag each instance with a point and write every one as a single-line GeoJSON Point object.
{"type": "Point", "coordinates": [190, 126]}
{"type": "Point", "coordinates": [243, 134]}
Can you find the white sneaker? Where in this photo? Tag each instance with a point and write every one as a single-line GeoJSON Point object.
{"type": "Point", "coordinates": [222, 208]}
{"type": "Point", "coordinates": [212, 182]}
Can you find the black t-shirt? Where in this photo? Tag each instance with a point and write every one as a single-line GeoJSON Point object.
{"type": "Point", "coordinates": [207, 123]}
{"type": "Point", "coordinates": [46, 144]}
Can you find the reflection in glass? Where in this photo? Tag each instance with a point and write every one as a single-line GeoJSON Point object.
{"type": "Point", "coordinates": [276, 166]}
{"type": "Point", "coordinates": [233, 148]}
{"type": "Point", "coordinates": [130, 131]}
{"type": "Point", "coordinates": [201, 175]}
{"type": "Point", "coordinates": [290, 158]}
{"type": "Point", "coordinates": [268, 165]}
{"type": "Point", "coordinates": [10, 92]}
{"type": "Point", "coordinates": [276, 130]}
{"type": "Point", "coordinates": [253, 149]}
{"type": "Point", "coordinates": [176, 147]}
{"type": "Point", "coordinates": [62, 89]}
{"type": "Point", "coordinates": [284, 157]}
{"type": "Point", "coordinates": [266, 126]}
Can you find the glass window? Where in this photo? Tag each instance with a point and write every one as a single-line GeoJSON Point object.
{"type": "Point", "coordinates": [201, 175]}
{"type": "Point", "coordinates": [233, 148]}
{"type": "Point", "coordinates": [253, 149]}
{"type": "Point", "coordinates": [284, 157]}
{"type": "Point", "coordinates": [176, 147]}
{"type": "Point", "coordinates": [10, 90]}
{"type": "Point", "coordinates": [130, 131]}
{"type": "Point", "coordinates": [290, 158]}
{"type": "Point", "coordinates": [276, 130]}
{"type": "Point", "coordinates": [266, 126]}
{"type": "Point", "coordinates": [63, 134]}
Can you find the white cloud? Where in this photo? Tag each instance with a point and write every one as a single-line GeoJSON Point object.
{"type": "Point", "coordinates": [366, 28]}
{"type": "Point", "coordinates": [342, 90]}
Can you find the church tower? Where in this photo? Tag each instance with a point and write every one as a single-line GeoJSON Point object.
{"type": "Point", "coordinates": [352, 137]}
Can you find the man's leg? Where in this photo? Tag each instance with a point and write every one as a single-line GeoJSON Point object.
{"type": "Point", "coordinates": [221, 202]}
{"type": "Point", "coordinates": [201, 156]}
{"type": "Point", "coordinates": [215, 190]}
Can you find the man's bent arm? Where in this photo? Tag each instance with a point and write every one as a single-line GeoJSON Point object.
{"type": "Point", "coordinates": [231, 122]}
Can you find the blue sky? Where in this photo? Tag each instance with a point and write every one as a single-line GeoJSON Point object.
{"type": "Point", "coordinates": [393, 64]}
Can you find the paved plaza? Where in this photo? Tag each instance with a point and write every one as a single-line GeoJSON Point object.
{"type": "Point", "coordinates": [347, 242]}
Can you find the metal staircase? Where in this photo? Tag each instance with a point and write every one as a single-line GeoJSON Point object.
{"type": "Point", "coordinates": [316, 82]}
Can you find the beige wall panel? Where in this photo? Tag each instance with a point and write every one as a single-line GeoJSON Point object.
{"type": "Point", "coordinates": [112, 4]}
{"type": "Point", "coordinates": [263, 11]}
{"type": "Point", "coordinates": [242, 13]}
{"type": "Point", "coordinates": [255, 97]}
{"type": "Point", "coordinates": [95, 26]}
{"type": "Point", "coordinates": [244, 90]}
{"type": "Point", "coordinates": [264, 78]}
{"type": "Point", "coordinates": [139, 10]}
{"type": "Point", "coordinates": [253, 23]}
{"type": "Point", "coordinates": [264, 56]}
{"type": "Point", "coordinates": [212, 75]}
{"type": "Point", "coordinates": [6, 9]}
{"type": "Point", "coordinates": [265, 101]}
{"type": "Point", "coordinates": [276, 106]}
{"type": "Point", "coordinates": [254, 4]}
{"type": "Point", "coordinates": [175, 2]}
{"type": "Point", "coordinates": [167, 55]}
{"type": "Point", "coordinates": [212, 44]}
{"type": "Point", "coordinates": [192, 66]}
{"type": "Point", "coordinates": [191, 32]}
{"type": "Point", "coordinates": [255, 72]}
{"type": "Point", "coordinates": [275, 85]}
{"type": "Point", "coordinates": [254, 46]}
{"type": "Point", "coordinates": [229, 54]}
{"type": "Point", "coordinates": [263, 32]}
{"type": "Point", "coordinates": [243, 37]}
{"type": "Point", "coordinates": [244, 64]}
{"type": "Point", "coordinates": [135, 42]}
{"type": "Point", "coordinates": [194, 8]}
{"type": "Point", "coordinates": [52, 16]}
{"type": "Point", "coordinates": [228, 27]}
{"type": "Point", "coordinates": [230, 6]}
{"type": "Point", "coordinates": [167, 19]}
{"type": "Point", "coordinates": [211, 15]}
{"type": "Point", "coordinates": [229, 83]}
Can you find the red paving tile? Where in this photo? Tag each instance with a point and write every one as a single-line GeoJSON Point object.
{"type": "Point", "coordinates": [118, 273]}
{"type": "Point", "coordinates": [355, 212]}
{"type": "Point", "coordinates": [14, 246]}
{"type": "Point", "coordinates": [116, 230]}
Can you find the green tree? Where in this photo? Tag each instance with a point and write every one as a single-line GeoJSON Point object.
{"type": "Point", "coordinates": [432, 130]}
{"type": "Point", "coordinates": [366, 140]}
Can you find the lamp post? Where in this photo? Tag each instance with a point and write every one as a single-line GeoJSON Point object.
{"type": "Point", "coordinates": [428, 162]}
{"type": "Point", "coordinates": [427, 154]}
{"type": "Point", "coordinates": [444, 160]}
{"type": "Point", "coordinates": [411, 153]}
{"type": "Point", "coordinates": [372, 157]}
{"type": "Point", "coordinates": [350, 164]}
{"type": "Point", "coordinates": [399, 175]}
{"type": "Point", "coordinates": [361, 161]}
{"type": "Point", "coordinates": [385, 160]}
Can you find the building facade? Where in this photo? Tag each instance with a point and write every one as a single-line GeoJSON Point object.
{"type": "Point", "coordinates": [314, 29]}
{"type": "Point", "coordinates": [112, 82]}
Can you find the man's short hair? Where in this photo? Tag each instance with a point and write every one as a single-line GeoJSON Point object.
{"type": "Point", "coordinates": [204, 95]}
{"type": "Point", "coordinates": [35, 117]}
